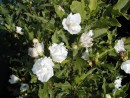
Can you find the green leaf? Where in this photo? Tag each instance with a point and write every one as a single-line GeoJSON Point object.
{"type": "Point", "coordinates": [103, 54]}
{"type": "Point", "coordinates": [114, 22]}
{"type": "Point", "coordinates": [55, 38]}
{"type": "Point", "coordinates": [64, 86]}
{"type": "Point", "coordinates": [92, 5]}
{"type": "Point", "coordinates": [43, 91]}
{"type": "Point", "coordinates": [104, 86]}
{"type": "Point", "coordinates": [79, 63]}
{"type": "Point", "coordinates": [120, 4]}
{"type": "Point", "coordinates": [121, 92]}
{"type": "Point", "coordinates": [99, 32]}
{"type": "Point", "coordinates": [80, 79]}
{"type": "Point", "coordinates": [64, 39]}
{"type": "Point", "coordinates": [37, 18]}
{"type": "Point", "coordinates": [31, 36]}
{"type": "Point", "coordinates": [33, 78]}
{"type": "Point", "coordinates": [59, 10]}
{"type": "Point", "coordinates": [78, 7]}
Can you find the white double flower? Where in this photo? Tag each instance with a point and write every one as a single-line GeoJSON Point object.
{"type": "Point", "coordinates": [43, 69]}
{"type": "Point", "coordinates": [72, 23]}
{"type": "Point", "coordinates": [58, 52]}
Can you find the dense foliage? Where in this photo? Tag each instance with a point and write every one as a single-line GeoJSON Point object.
{"type": "Point", "coordinates": [80, 71]}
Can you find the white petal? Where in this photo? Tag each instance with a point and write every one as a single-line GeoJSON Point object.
{"type": "Point", "coordinates": [64, 24]}
{"type": "Point", "coordinates": [126, 66]}
{"type": "Point", "coordinates": [76, 18]}
{"type": "Point", "coordinates": [90, 33]}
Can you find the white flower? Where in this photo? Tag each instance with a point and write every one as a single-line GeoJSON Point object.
{"type": "Point", "coordinates": [72, 23]}
{"type": "Point", "coordinates": [19, 30]}
{"type": "Point", "coordinates": [108, 96]}
{"type": "Point", "coordinates": [43, 69]}
{"type": "Point", "coordinates": [119, 47]}
{"type": "Point", "coordinates": [32, 52]}
{"type": "Point", "coordinates": [37, 50]}
{"type": "Point", "coordinates": [13, 79]}
{"type": "Point", "coordinates": [85, 55]}
{"type": "Point", "coordinates": [117, 82]}
{"type": "Point", "coordinates": [126, 66]}
{"type": "Point", "coordinates": [58, 52]}
{"type": "Point", "coordinates": [24, 87]}
{"type": "Point", "coordinates": [39, 47]}
{"type": "Point", "coordinates": [86, 40]}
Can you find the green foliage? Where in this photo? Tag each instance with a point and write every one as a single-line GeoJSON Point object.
{"type": "Point", "coordinates": [78, 7]}
{"type": "Point", "coordinates": [74, 77]}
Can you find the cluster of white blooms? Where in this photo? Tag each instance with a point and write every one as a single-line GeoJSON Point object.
{"type": "Point", "coordinates": [43, 69]}
{"type": "Point", "coordinates": [13, 79]}
{"type": "Point", "coordinates": [119, 47]}
{"type": "Point", "coordinates": [37, 50]}
{"type": "Point", "coordinates": [19, 30]}
{"type": "Point", "coordinates": [58, 52]}
{"type": "Point", "coordinates": [72, 23]}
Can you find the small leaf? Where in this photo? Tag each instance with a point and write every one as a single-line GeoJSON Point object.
{"type": "Point", "coordinates": [100, 32]}
{"type": "Point", "coordinates": [55, 38]}
{"type": "Point", "coordinates": [43, 91]}
{"type": "Point", "coordinates": [65, 86]}
{"type": "Point", "coordinates": [33, 78]}
{"type": "Point", "coordinates": [31, 36]}
{"type": "Point", "coordinates": [92, 5]}
{"type": "Point", "coordinates": [59, 10]}
{"type": "Point", "coordinates": [104, 86]}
